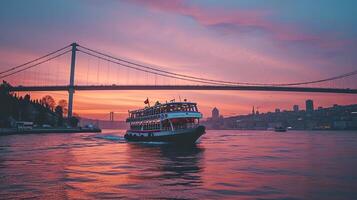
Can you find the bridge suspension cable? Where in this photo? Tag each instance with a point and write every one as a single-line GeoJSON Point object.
{"type": "Point", "coordinates": [210, 81]}
{"type": "Point", "coordinates": [33, 65]}
{"type": "Point", "coordinates": [153, 70]}
{"type": "Point", "coordinates": [32, 61]}
{"type": "Point", "coordinates": [144, 70]}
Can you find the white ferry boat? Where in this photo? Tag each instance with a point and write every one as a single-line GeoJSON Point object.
{"type": "Point", "coordinates": [176, 122]}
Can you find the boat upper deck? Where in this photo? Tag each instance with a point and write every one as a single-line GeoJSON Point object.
{"type": "Point", "coordinates": [158, 109]}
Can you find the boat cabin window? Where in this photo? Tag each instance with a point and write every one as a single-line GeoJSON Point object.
{"type": "Point", "coordinates": [183, 123]}
{"type": "Point", "coordinates": [145, 125]}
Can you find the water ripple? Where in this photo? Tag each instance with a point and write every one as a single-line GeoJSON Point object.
{"type": "Point", "coordinates": [224, 165]}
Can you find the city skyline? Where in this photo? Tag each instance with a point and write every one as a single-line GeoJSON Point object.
{"type": "Point", "coordinates": [249, 41]}
{"type": "Point", "coordinates": [294, 107]}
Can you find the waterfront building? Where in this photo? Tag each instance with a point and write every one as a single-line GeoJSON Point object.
{"type": "Point", "coordinates": [309, 105]}
{"type": "Point", "coordinates": [215, 114]}
{"type": "Point", "coordinates": [296, 108]}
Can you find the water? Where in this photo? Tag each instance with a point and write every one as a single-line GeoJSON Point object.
{"type": "Point", "coordinates": [225, 164]}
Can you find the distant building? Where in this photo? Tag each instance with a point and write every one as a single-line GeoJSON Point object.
{"type": "Point", "coordinates": [216, 121]}
{"type": "Point", "coordinates": [296, 108]}
{"type": "Point", "coordinates": [215, 114]}
{"type": "Point", "coordinates": [277, 110]}
{"type": "Point", "coordinates": [309, 105]}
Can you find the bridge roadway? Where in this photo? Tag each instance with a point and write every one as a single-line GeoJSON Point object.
{"type": "Point", "coordinates": [184, 87]}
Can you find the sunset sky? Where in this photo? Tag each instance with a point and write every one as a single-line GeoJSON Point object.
{"type": "Point", "coordinates": [276, 41]}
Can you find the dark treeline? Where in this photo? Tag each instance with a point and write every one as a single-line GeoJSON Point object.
{"type": "Point", "coordinates": [22, 108]}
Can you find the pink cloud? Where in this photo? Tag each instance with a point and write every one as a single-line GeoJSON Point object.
{"type": "Point", "coordinates": [187, 51]}
{"type": "Point", "coordinates": [239, 20]}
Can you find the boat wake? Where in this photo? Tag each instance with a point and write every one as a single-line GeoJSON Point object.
{"type": "Point", "coordinates": [111, 138]}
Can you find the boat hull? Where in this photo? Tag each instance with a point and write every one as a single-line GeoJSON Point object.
{"type": "Point", "coordinates": [184, 136]}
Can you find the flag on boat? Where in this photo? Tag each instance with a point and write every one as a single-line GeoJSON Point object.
{"type": "Point", "coordinates": [146, 101]}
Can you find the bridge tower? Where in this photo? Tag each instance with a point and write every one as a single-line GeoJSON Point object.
{"type": "Point", "coordinates": [71, 80]}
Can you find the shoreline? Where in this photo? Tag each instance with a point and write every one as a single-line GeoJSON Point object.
{"type": "Point", "coordinates": [13, 131]}
{"type": "Point", "coordinates": [287, 130]}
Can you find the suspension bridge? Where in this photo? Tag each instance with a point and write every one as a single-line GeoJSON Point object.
{"type": "Point", "coordinates": [46, 73]}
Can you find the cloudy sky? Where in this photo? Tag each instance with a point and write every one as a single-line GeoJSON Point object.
{"type": "Point", "coordinates": [261, 41]}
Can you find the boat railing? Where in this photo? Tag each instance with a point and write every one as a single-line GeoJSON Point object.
{"type": "Point", "coordinates": [157, 111]}
{"type": "Point", "coordinates": [156, 116]}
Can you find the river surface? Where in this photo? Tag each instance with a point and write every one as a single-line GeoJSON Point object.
{"type": "Point", "coordinates": [224, 165]}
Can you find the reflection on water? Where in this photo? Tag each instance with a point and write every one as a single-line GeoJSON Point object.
{"type": "Point", "coordinates": [226, 164]}
{"type": "Point", "coordinates": [168, 161]}
{"type": "Point", "coordinates": [172, 170]}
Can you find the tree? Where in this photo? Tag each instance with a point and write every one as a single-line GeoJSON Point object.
{"type": "Point", "coordinates": [49, 102]}
{"type": "Point", "coordinates": [74, 121]}
{"type": "Point", "coordinates": [27, 98]}
{"type": "Point", "coordinates": [64, 105]}
{"type": "Point", "coordinates": [59, 112]}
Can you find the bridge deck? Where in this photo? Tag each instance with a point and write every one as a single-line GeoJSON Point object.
{"type": "Point", "coordinates": [184, 87]}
